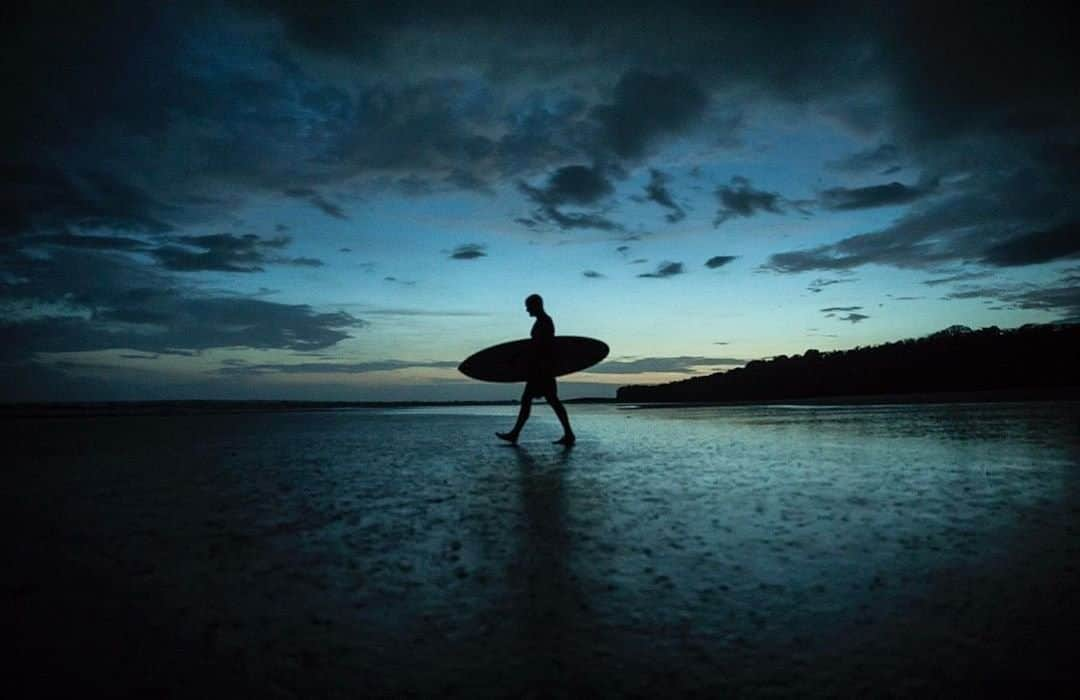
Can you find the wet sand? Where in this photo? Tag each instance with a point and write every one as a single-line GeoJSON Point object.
{"type": "Point", "coordinates": [735, 552]}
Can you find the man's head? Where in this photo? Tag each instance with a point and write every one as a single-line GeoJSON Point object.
{"type": "Point", "coordinates": [534, 304]}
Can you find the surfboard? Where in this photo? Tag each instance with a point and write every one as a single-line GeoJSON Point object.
{"type": "Point", "coordinates": [509, 362]}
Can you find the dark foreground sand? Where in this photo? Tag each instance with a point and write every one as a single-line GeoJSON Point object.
{"type": "Point", "coordinates": [315, 556]}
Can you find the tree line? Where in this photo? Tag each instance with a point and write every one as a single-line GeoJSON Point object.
{"type": "Point", "coordinates": [957, 359]}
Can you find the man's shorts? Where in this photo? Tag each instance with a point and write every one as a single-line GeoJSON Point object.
{"type": "Point", "coordinates": [540, 386]}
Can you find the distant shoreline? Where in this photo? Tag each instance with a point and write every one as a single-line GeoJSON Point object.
{"type": "Point", "coordinates": [73, 409]}
{"type": "Point", "coordinates": [182, 407]}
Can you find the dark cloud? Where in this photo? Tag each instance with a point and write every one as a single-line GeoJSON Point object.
{"type": "Point", "coordinates": [1061, 298]}
{"type": "Point", "coordinates": [684, 364]}
{"type": "Point", "coordinates": [40, 198]}
{"type": "Point", "coordinates": [318, 201]}
{"type": "Point", "coordinates": [465, 105]}
{"type": "Point", "coordinates": [892, 194]}
{"type": "Point", "coordinates": [958, 277]}
{"type": "Point", "coordinates": [877, 158]}
{"type": "Point", "coordinates": [572, 185]}
{"type": "Point", "coordinates": [593, 274]}
{"type": "Point", "coordinates": [441, 313]}
{"type": "Point", "coordinates": [853, 317]}
{"type": "Point", "coordinates": [832, 309]}
{"type": "Point", "coordinates": [1036, 247]}
{"type": "Point", "coordinates": [578, 220]}
{"type": "Point", "coordinates": [657, 191]}
{"type": "Point", "coordinates": [820, 283]}
{"type": "Point", "coordinates": [69, 240]}
{"type": "Point", "coordinates": [973, 225]}
{"type": "Point", "coordinates": [172, 323]}
{"type": "Point", "coordinates": [469, 251]}
{"type": "Point", "coordinates": [647, 106]}
{"type": "Point", "coordinates": [665, 269]}
{"type": "Point", "coordinates": [623, 249]}
{"type": "Point", "coordinates": [221, 252]}
{"type": "Point", "coordinates": [739, 198]}
{"type": "Point", "coordinates": [719, 261]}
{"type": "Point", "coordinates": [988, 86]}
{"type": "Point", "coordinates": [89, 300]}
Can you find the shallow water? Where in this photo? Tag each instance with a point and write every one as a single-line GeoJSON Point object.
{"type": "Point", "coordinates": [754, 550]}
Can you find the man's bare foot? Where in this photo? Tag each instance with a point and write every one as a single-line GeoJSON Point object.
{"type": "Point", "coordinates": [509, 437]}
{"type": "Point", "coordinates": [567, 440]}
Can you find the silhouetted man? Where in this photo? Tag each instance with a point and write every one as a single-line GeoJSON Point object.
{"type": "Point", "coordinates": [541, 381]}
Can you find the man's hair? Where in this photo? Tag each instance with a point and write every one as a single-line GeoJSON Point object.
{"type": "Point", "coordinates": [534, 299]}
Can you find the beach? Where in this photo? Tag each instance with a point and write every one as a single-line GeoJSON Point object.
{"type": "Point", "coordinates": [747, 551]}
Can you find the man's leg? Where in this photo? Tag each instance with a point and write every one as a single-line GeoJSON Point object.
{"type": "Point", "coordinates": [568, 437]}
{"type": "Point", "coordinates": [523, 415]}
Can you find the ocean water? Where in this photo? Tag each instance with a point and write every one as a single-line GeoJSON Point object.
{"type": "Point", "coordinates": [754, 550]}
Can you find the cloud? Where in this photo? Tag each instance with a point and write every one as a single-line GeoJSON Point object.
{"type": "Point", "coordinates": [469, 251]}
{"type": "Point", "coordinates": [665, 269]}
{"type": "Point", "coordinates": [69, 240]}
{"type": "Point", "coordinates": [853, 317]}
{"type": "Point", "coordinates": [719, 261]}
{"type": "Point", "coordinates": [383, 311]}
{"type": "Point", "coordinates": [685, 364]}
{"type": "Point", "coordinates": [877, 158]}
{"type": "Point", "coordinates": [479, 96]}
{"type": "Point", "coordinates": [974, 224]}
{"type": "Point", "coordinates": [1036, 247]}
{"type": "Point", "coordinates": [646, 107]}
{"type": "Point", "coordinates": [1061, 297]}
{"type": "Point", "coordinates": [593, 274]}
{"type": "Point", "coordinates": [572, 185]}
{"type": "Point", "coordinates": [820, 283]}
{"type": "Point", "coordinates": [833, 309]}
{"type": "Point", "coordinates": [301, 262]}
{"type": "Point", "coordinates": [574, 220]}
{"type": "Point", "coordinates": [170, 323]}
{"type": "Point", "coordinates": [318, 201]}
{"type": "Point", "coordinates": [657, 191]}
{"type": "Point", "coordinates": [892, 194]}
{"type": "Point", "coordinates": [739, 198]}
{"type": "Point", "coordinates": [91, 300]}
{"type": "Point", "coordinates": [959, 277]}
{"type": "Point", "coordinates": [222, 252]}
{"type": "Point", "coordinates": [261, 369]}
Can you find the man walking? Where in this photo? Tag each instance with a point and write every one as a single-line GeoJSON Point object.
{"type": "Point", "coordinates": [541, 381]}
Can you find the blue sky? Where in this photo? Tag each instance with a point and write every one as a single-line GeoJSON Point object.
{"type": "Point", "coordinates": [341, 201]}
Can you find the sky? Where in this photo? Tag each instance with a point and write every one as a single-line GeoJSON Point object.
{"type": "Point", "coordinates": [342, 200]}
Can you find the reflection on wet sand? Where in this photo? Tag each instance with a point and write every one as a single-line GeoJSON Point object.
{"type": "Point", "coordinates": [553, 617]}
